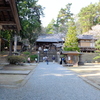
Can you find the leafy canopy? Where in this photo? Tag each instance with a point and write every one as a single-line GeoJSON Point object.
{"type": "Point", "coordinates": [29, 13]}
{"type": "Point", "coordinates": [88, 16]}
{"type": "Point", "coordinates": [50, 27]}
{"type": "Point", "coordinates": [60, 24]}
{"type": "Point", "coordinates": [64, 16]}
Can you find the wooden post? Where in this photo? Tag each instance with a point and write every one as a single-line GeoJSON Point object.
{"type": "Point", "coordinates": [0, 45]}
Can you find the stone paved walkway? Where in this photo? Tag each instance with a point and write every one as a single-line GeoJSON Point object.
{"type": "Point", "coordinates": [52, 82]}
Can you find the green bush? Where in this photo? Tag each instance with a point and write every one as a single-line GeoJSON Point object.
{"type": "Point", "coordinates": [62, 55]}
{"type": "Point", "coordinates": [32, 57]}
{"type": "Point", "coordinates": [14, 59]}
{"type": "Point", "coordinates": [26, 53]}
{"type": "Point", "coordinates": [71, 49]}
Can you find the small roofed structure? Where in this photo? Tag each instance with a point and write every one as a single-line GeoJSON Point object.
{"type": "Point", "coordinates": [71, 57]}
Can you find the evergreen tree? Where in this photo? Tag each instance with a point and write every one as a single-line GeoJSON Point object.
{"type": "Point", "coordinates": [88, 16]}
{"type": "Point", "coordinates": [71, 40]}
{"type": "Point", "coordinates": [50, 27]}
{"type": "Point", "coordinates": [29, 13]}
{"type": "Point", "coordinates": [60, 25]}
{"type": "Point", "coordinates": [64, 16]}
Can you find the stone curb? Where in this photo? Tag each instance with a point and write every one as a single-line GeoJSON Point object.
{"type": "Point", "coordinates": [26, 79]}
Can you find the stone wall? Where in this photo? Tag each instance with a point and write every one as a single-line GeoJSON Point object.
{"type": "Point", "coordinates": [88, 57]}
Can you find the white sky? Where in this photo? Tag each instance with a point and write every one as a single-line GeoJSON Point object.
{"type": "Point", "coordinates": [52, 7]}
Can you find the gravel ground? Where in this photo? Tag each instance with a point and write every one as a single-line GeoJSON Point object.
{"type": "Point", "coordinates": [90, 71]}
{"type": "Point", "coordinates": [14, 75]}
{"type": "Point", "coordinates": [52, 82]}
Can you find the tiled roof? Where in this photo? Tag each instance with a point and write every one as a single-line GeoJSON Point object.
{"type": "Point", "coordinates": [88, 37]}
{"type": "Point", "coordinates": [58, 37]}
{"type": "Point", "coordinates": [50, 38]}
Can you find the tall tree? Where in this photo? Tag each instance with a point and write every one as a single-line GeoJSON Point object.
{"type": "Point", "coordinates": [97, 17]}
{"type": "Point", "coordinates": [6, 35]}
{"type": "Point", "coordinates": [29, 13]}
{"type": "Point", "coordinates": [71, 40]}
{"type": "Point", "coordinates": [50, 27]}
{"type": "Point", "coordinates": [64, 16]}
{"type": "Point", "coordinates": [88, 16]}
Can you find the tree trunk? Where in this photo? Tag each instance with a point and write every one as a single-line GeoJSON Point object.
{"type": "Point", "coordinates": [0, 45]}
{"type": "Point", "coordinates": [10, 47]}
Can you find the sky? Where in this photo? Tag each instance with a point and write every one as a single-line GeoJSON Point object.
{"type": "Point", "coordinates": [52, 7]}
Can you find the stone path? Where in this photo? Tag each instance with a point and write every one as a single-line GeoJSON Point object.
{"type": "Point", "coordinates": [52, 82]}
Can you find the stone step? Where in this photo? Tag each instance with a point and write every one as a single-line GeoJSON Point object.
{"type": "Point", "coordinates": [49, 54]}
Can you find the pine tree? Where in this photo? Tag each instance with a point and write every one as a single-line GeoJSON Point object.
{"type": "Point", "coordinates": [71, 40]}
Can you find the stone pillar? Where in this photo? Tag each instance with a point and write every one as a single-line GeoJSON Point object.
{"type": "Point", "coordinates": [80, 60]}
{"type": "Point", "coordinates": [58, 57]}
{"type": "Point", "coordinates": [15, 43]}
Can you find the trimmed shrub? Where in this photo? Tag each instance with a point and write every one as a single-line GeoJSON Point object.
{"type": "Point", "coordinates": [71, 49]}
{"type": "Point", "coordinates": [14, 59]}
{"type": "Point", "coordinates": [26, 53]}
{"type": "Point", "coordinates": [32, 57]}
